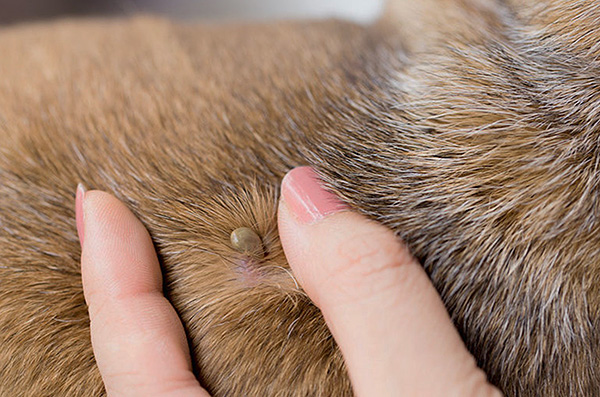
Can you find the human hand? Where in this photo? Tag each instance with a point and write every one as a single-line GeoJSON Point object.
{"type": "Point", "coordinates": [138, 339]}
{"type": "Point", "coordinates": [384, 313]}
{"type": "Point", "coordinates": [394, 332]}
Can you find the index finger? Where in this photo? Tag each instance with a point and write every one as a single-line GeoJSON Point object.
{"type": "Point", "coordinates": [138, 340]}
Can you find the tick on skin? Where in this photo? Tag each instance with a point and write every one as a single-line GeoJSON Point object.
{"type": "Point", "coordinates": [248, 242]}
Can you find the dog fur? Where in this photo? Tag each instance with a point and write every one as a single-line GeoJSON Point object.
{"type": "Point", "coordinates": [470, 127]}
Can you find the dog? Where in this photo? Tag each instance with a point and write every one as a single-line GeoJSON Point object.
{"type": "Point", "coordinates": [469, 127]}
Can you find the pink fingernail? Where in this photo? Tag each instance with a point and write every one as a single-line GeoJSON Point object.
{"type": "Point", "coordinates": [304, 196]}
{"type": "Point", "coordinates": [79, 212]}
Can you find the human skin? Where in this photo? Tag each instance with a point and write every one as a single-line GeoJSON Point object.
{"type": "Point", "coordinates": [384, 313]}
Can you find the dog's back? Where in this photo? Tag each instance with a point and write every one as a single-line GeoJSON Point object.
{"type": "Point", "coordinates": [468, 127]}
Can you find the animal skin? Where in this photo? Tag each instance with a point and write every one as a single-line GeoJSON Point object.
{"type": "Point", "coordinates": [469, 127]}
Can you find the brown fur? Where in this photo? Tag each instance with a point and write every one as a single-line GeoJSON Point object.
{"type": "Point", "coordinates": [469, 126]}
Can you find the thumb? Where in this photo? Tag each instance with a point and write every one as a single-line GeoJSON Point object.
{"type": "Point", "coordinates": [383, 311]}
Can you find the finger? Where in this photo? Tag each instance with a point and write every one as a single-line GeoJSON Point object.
{"type": "Point", "coordinates": [383, 311]}
{"type": "Point", "coordinates": [138, 339]}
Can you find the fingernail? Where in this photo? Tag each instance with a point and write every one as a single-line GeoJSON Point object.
{"type": "Point", "coordinates": [79, 212]}
{"type": "Point", "coordinates": [302, 192]}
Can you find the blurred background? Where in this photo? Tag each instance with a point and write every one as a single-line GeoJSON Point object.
{"type": "Point", "coordinates": [14, 11]}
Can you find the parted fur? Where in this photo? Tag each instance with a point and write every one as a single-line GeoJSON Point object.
{"type": "Point", "coordinates": [470, 127]}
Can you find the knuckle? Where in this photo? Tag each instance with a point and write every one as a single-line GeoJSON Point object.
{"type": "Point", "coordinates": [96, 306]}
{"type": "Point", "coordinates": [371, 254]}
{"type": "Point", "coordinates": [369, 264]}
